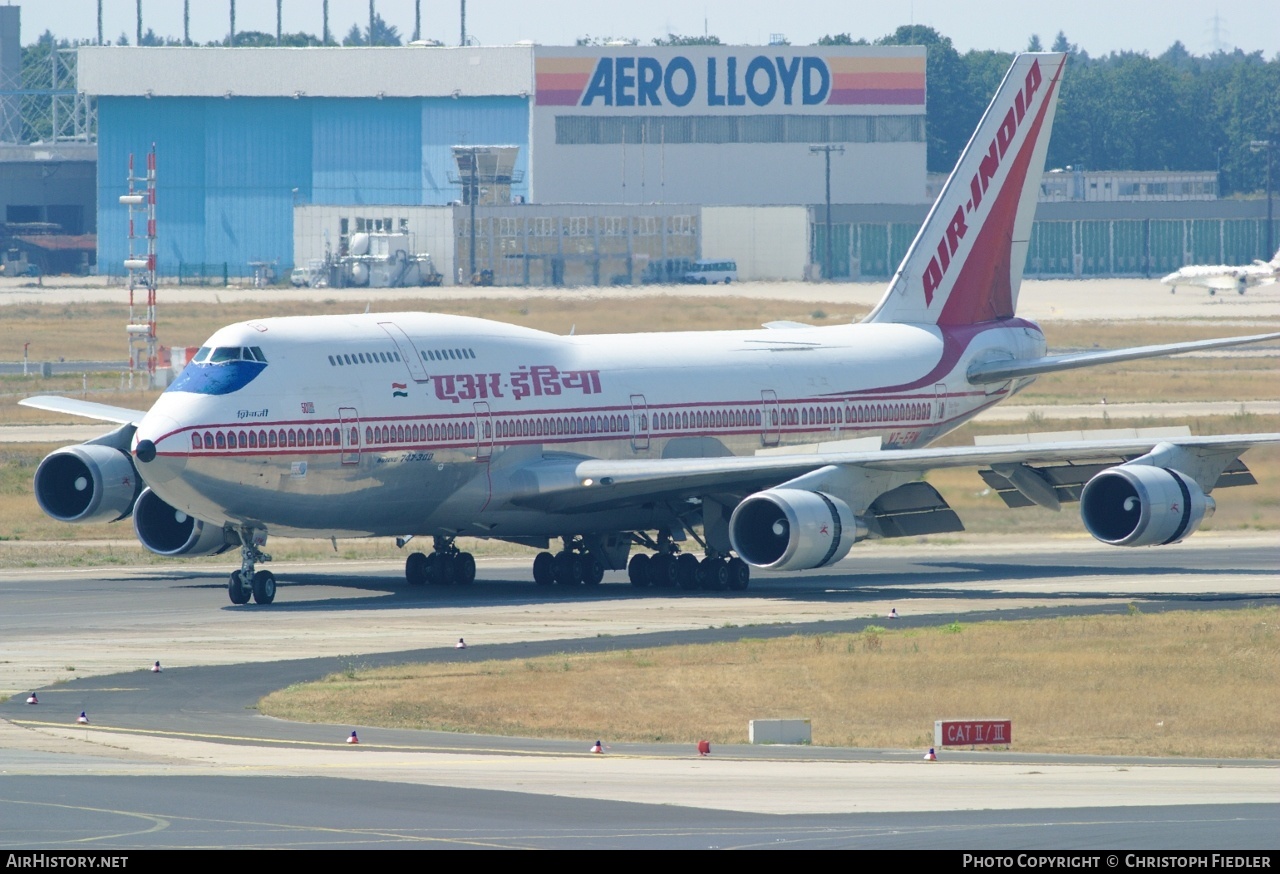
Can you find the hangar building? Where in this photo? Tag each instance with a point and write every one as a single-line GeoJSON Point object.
{"type": "Point", "coordinates": [265, 152]}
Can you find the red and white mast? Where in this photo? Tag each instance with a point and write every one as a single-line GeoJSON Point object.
{"type": "Point", "coordinates": [141, 202]}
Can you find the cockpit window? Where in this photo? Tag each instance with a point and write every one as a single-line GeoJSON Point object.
{"type": "Point", "coordinates": [220, 370]}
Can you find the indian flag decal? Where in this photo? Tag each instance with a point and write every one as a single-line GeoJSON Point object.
{"type": "Point", "coordinates": [399, 390]}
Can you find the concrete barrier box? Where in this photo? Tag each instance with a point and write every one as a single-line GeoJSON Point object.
{"type": "Point", "coordinates": [780, 731]}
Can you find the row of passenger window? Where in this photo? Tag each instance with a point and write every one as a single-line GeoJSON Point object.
{"type": "Point", "coordinates": [683, 421]}
{"type": "Point", "coordinates": [269, 439]}
{"type": "Point", "coordinates": [446, 354]}
{"type": "Point", "coordinates": [348, 358]}
{"type": "Point", "coordinates": [363, 358]}
{"type": "Point", "coordinates": [554, 426]}
{"type": "Point", "coordinates": [911, 411]}
{"type": "Point", "coordinates": [818, 415]}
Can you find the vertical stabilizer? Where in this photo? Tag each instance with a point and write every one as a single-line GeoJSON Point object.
{"type": "Point", "coordinates": [965, 265]}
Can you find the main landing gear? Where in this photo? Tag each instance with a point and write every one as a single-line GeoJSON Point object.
{"type": "Point", "coordinates": [245, 583]}
{"type": "Point", "coordinates": [445, 566]}
{"type": "Point", "coordinates": [574, 565]}
{"type": "Point", "coordinates": [668, 568]}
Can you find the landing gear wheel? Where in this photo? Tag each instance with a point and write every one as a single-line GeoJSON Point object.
{"type": "Point", "coordinates": [237, 590]}
{"type": "Point", "coordinates": [244, 584]}
{"type": "Point", "coordinates": [739, 575]}
{"type": "Point", "coordinates": [431, 569]}
{"type": "Point", "coordinates": [662, 571]}
{"type": "Point", "coordinates": [415, 569]}
{"type": "Point", "coordinates": [687, 572]}
{"type": "Point", "coordinates": [568, 569]}
{"type": "Point", "coordinates": [638, 570]}
{"type": "Point", "coordinates": [715, 574]}
{"type": "Point", "coordinates": [464, 569]}
{"type": "Point", "coordinates": [544, 572]}
{"type": "Point", "coordinates": [264, 587]}
{"type": "Point", "coordinates": [592, 570]}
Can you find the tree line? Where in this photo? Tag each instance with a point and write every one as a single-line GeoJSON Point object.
{"type": "Point", "coordinates": [1122, 111]}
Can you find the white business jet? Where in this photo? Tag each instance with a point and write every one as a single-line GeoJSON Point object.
{"type": "Point", "coordinates": [1221, 277]}
{"type": "Point", "coordinates": [776, 448]}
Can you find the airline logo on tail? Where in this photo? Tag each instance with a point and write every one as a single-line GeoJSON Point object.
{"type": "Point", "coordinates": [956, 227]}
{"type": "Point", "coordinates": [965, 265]}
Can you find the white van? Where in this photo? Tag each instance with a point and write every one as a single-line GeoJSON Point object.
{"type": "Point", "coordinates": [703, 272]}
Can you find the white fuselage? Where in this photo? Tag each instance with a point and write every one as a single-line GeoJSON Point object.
{"type": "Point", "coordinates": [1223, 277]}
{"type": "Point", "coordinates": [418, 423]}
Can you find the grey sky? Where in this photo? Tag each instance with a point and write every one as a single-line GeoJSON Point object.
{"type": "Point", "coordinates": [1097, 26]}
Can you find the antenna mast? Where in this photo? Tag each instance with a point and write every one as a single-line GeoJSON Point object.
{"type": "Point", "coordinates": [141, 202]}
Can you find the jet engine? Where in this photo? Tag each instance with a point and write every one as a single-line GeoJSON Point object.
{"type": "Point", "coordinates": [1143, 505]}
{"type": "Point", "coordinates": [792, 529]}
{"type": "Point", "coordinates": [166, 531]}
{"type": "Point", "coordinates": [90, 482]}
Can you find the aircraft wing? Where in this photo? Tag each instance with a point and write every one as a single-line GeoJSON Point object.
{"type": "Point", "coordinates": [987, 372]}
{"type": "Point", "coordinates": [87, 409]}
{"type": "Point", "coordinates": [588, 485]}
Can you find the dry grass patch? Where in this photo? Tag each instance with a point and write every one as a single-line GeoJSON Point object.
{"type": "Point", "coordinates": [1176, 684]}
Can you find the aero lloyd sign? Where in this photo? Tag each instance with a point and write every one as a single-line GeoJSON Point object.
{"type": "Point", "coordinates": [727, 79]}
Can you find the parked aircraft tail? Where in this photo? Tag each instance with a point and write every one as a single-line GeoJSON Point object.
{"type": "Point", "coordinates": [965, 265]}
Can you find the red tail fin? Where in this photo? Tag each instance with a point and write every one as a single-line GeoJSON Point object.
{"type": "Point", "coordinates": [965, 265]}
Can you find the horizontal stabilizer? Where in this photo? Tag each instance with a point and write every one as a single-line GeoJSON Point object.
{"type": "Point", "coordinates": [985, 373]}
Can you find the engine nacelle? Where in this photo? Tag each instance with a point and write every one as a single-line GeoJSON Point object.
{"type": "Point", "coordinates": [166, 531]}
{"type": "Point", "coordinates": [86, 483]}
{"type": "Point", "coordinates": [792, 529]}
{"type": "Point", "coordinates": [1142, 505]}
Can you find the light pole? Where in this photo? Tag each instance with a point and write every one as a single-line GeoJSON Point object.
{"type": "Point", "coordinates": [1269, 146]}
{"type": "Point", "coordinates": [826, 151]}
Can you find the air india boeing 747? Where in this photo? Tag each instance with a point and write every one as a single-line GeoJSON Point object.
{"type": "Point", "coordinates": [774, 448]}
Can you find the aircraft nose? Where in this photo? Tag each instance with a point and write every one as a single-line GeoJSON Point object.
{"type": "Point", "coordinates": [145, 451]}
{"type": "Point", "coordinates": [156, 449]}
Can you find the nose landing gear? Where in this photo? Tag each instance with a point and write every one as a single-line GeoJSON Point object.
{"type": "Point", "coordinates": [246, 583]}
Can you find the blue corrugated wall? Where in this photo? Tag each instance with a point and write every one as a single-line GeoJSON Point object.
{"type": "Point", "coordinates": [230, 171]}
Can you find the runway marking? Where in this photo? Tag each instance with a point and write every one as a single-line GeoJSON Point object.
{"type": "Point", "coordinates": [157, 823]}
{"type": "Point", "coordinates": [160, 823]}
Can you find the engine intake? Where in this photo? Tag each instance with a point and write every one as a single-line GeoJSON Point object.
{"type": "Point", "coordinates": [792, 529]}
{"type": "Point", "coordinates": [1142, 505]}
{"type": "Point", "coordinates": [86, 483]}
{"type": "Point", "coordinates": [167, 531]}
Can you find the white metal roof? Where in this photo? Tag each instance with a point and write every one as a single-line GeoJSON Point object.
{"type": "Point", "coordinates": [411, 71]}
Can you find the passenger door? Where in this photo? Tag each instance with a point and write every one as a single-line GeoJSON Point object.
{"type": "Point", "coordinates": [349, 421]}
